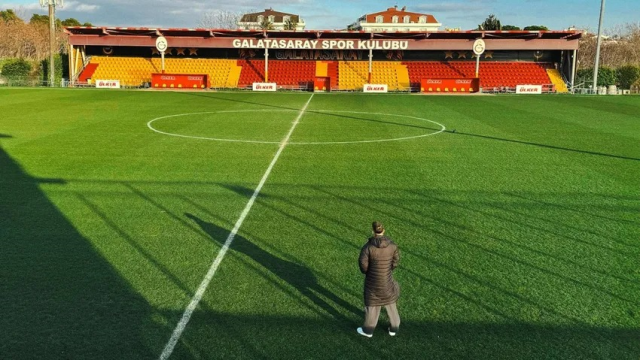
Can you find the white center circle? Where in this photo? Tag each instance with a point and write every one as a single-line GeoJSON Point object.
{"type": "Point", "coordinates": [151, 122]}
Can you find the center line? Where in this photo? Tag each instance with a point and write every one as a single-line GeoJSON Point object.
{"type": "Point", "coordinates": [177, 332]}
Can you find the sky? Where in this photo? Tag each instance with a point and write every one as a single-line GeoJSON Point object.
{"type": "Point", "coordinates": [335, 14]}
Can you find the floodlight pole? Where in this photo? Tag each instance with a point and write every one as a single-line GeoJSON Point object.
{"type": "Point", "coordinates": [52, 35]}
{"type": "Point", "coordinates": [598, 41]}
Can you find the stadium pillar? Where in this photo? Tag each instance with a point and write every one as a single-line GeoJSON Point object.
{"type": "Point", "coordinates": [573, 71]}
{"type": "Point", "coordinates": [72, 66]}
{"type": "Point", "coordinates": [597, 62]}
{"type": "Point", "coordinates": [370, 65]}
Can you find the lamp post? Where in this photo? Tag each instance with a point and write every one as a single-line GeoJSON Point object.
{"type": "Point", "coordinates": [52, 34]}
{"type": "Point", "coordinates": [599, 39]}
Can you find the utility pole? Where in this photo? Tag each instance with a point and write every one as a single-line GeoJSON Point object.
{"type": "Point", "coordinates": [598, 41]}
{"type": "Point", "coordinates": [52, 35]}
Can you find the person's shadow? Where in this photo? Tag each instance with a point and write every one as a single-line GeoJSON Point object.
{"type": "Point", "coordinates": [296, 275]}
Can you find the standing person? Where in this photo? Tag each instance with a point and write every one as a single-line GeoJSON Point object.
{"type": "Point", "coordinates": [378, 258]}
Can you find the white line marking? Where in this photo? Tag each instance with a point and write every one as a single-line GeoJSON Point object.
{"type": "Point", "coordinates": [168, 349]}
{"type": "Point", "coordinates": [442, 128]}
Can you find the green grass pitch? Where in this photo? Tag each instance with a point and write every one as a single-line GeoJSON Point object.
{"type": "Point", "coordinates": [519, 232]}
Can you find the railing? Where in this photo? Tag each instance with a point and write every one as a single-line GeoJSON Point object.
{"type": "Point", "coordinates": [25, 82]}
{"type": "Point", "coordinates": [546, 89]}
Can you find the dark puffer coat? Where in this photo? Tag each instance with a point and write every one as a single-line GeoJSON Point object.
{"type": "Point", "coordinates": [378, 258]}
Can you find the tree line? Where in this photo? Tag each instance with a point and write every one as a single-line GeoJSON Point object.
{"type": "Point", "coordinates": [25, 45]}
{"type": "Point", "coordinates": [492, 23]}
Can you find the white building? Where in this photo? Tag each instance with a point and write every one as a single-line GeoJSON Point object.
{"type": "Point", "coordinates": [278, 20]}
{"type": "Point", "coordinates": [396, 20]}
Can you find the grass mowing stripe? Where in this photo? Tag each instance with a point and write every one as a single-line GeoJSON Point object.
{"type": "Point", "coordinates": [214, 266]}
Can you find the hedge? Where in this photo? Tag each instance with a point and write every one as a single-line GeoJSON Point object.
{"type": "Point", "coordinates": [17, 68]}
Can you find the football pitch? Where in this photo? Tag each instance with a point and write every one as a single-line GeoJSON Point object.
{"type": "Point", "coordinates": [125, 213]}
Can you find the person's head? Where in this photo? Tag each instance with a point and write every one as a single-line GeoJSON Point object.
{"type": "Point", "coordinates": [378, 229]}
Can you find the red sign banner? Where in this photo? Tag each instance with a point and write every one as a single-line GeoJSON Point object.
{"type": "Point", "coordinates": [179, 81]}
{"type": "Point", "coordinates": [450, 85]}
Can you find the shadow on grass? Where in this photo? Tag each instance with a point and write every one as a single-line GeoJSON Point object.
{"type": "Point", "coordinates": [225, 336]}
{"type": "Point", "coordinates": [296, 275]}
{"type": "Point", "coordinates": [59, 299]}
{"type": "Point", "coordinates": [587, 152]}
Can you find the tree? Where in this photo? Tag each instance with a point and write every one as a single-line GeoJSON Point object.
{"type": "Point", "coordinates": [87, 24]}
{"type": "Point", "coordinates": [220, 19]}
{"type": "Point", "coordinates": [620, 47]}
{"type": "Point", "coordinates": [39, 19]}
{"type": "Point", "coordinates": [57, 61]}
{"type": "Point", "coordinates": [490, 23]}
{"type": "Point", "coordinates": [9, 16]}
{"type": "Point", "coordinates": [290, 24]}
{"type": "Point", "coordinates": [628, 75]}
{"type": "Point", "coordinates": [606, 76]}
{"type": "Point", "coordinates": [266, 24]}
{"type": "Point", "coordinates": [510, 27]}
{"type": "Point", "coordinates": [536, 28]}
{"type": "Point", "coordinates": [70, 22]}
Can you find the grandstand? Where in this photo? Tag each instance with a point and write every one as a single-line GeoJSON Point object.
{"type": "Point", "coordinates": [237, 59]}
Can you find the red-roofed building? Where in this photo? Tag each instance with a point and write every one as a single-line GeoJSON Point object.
{"type": "Point", "coordinates": [393, 20]}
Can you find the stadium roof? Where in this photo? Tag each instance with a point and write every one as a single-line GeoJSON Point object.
{"type": "Point", "coordinates": [220, 38]}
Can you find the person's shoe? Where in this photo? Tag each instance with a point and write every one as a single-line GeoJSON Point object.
{"type": "Point", "coordinates": [361, 332]}
{"type": "Point", "coordinates": [392, 333]}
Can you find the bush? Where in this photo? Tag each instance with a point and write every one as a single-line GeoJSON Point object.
{"type": "Point", "coordinates": [57, 62]}
{"type": "Point", "coordinates": [606, 76]}
{"type": "Point", "coordinates": [16, 69]}
{"type": "Point", "coordinates": [628, 75]}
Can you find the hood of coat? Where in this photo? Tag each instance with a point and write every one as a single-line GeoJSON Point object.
{"type": "Point", "coordinates": [380, 241]}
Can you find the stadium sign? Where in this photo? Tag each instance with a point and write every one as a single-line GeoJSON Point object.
{"type": "Point", "coordinates": [108, 84]}
{"type": "Point", "coordinates": [162, 44]}
{"type": "Point", "coordinates": [264, 87]}
{"type": "Point", "coordinates": [529, 89]}
{"type": "Point", "coordinates": [320, 44]}
{"type": "Point", "coordinates": [479, 47]}
{"type": "Point", "coordinates": [375, 88]}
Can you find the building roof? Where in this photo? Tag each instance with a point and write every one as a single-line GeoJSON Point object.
{"type": "Point", "coordinates": [401, 13]}
{"type": "Point", "coordinates": [279, 16]}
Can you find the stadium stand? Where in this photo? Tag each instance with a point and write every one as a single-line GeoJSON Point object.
{"type": "Point", "coordinates": [322, 69]}
{"type": "Point", "coordinates": [334, 73]}
{"type": "Point", "coordinates": [286, 73]}
{"type": "Point", "coordinates": [233, 58]}
{"type": "Point", "coordinates": [134, 71]}
{"type": "Point", "coordinates": [344, 75]}
{"type": "Point", "coordinates": [557, 81]}
{"type": "Point", "coordinates": [87, 73]}
{"type": "Point", "coordinates": [492, 74]}
{"type": "Point", "coordinates": [354, 74]}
